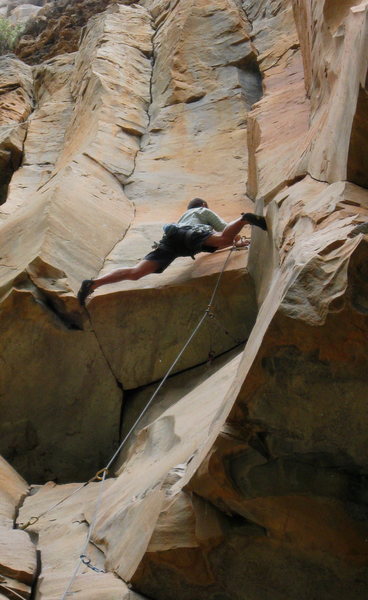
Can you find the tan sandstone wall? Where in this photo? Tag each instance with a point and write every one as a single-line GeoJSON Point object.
{"type": "Point", "coordinates": [247, 477]}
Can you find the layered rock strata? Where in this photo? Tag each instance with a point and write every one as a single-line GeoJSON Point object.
{"type": "Point", "coordinates": [247, 477]}
{"type": "Point", "coordinates": [107, 92]}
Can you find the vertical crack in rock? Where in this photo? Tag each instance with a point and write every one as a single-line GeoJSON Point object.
{"type": "Point", "coordinates": [280, 110]}
{"type": "Point", "coordinates": [38, 568]}
{"type": "Point", "coordinates": [248, 18]}
{"type": "Point", "coordinates": [147, 128]}
{"type": "Point", "coordinates": [141, 142]}
{"type": "Point", "coordinates": [252, 126]}
{"type": "Point", "coordinates": [135, 158]}
{"type": "Point", "coordinates": [131, 117]}
{"type": "Point", "coordinates": [103, 353]}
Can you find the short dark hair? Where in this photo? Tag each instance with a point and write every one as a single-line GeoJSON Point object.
{"type": "Point", "coordinates": [196, 203]}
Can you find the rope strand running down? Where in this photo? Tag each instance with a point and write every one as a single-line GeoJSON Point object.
{"type": "Point", "coordinates": [83, 557]}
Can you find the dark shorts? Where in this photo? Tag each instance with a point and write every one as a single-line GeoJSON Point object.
{"type": "Point", "coordinates": [172, 246]}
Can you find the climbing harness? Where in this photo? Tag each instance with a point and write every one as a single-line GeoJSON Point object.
{"type": "Point", "coordinates": [102, 473]}
{"type": "Point", "coordinates": [184, 240]}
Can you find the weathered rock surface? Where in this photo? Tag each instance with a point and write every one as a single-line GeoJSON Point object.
{"type": "Point", "coordinates": [18, 556]}
{"type": "Point", "coordinates": [291, 459]}
{"type": "Point", "coordinates": [104, 93]}
{"type": "Point", "coordinates": [62, 533]}
{"type": "Point", "coordinates": [181, 156]}
{"type": "Point", "coordinates": [12, 489]}
{"type": "Point", "coordinates": [43, 194]}
{"type": "Point", "coordinates": [246, 479]}
{"type": "Point", "coordinates": [16, 102]}
{"type": "Point", "coordinates": [18, 560]}
{"type": "Point", "coordinates": [336, 69]}
{"type": "Point", "coordinates": [279, 122]}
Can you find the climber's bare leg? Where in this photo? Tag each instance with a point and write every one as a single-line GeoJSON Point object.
{"type": "Point", "coordinates": [226, 237]}
{"type": "Point", "coordinates": [143, 268]}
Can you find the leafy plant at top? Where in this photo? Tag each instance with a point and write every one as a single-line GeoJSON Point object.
{"type": "Point", "coordinates": [9, 35]}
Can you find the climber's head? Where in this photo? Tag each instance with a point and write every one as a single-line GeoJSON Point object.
{"type": "Point", "coordinates": [197, 203]}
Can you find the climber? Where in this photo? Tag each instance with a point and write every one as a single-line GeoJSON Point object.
{"type": "Point", "coordinates": [199, 229]}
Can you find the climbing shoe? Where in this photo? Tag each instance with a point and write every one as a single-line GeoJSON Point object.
{"type": "Point", "coordinates": [85, 290]}
{"type": "Point", "coordinates": [361, 228]}
{"type": "Point", "coordinates": [255, 220]}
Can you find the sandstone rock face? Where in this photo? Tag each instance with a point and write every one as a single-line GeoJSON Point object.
{"type": "Point", "coordinates": [63, 178]}
{"type": "Point", "coordinates": [246, 476]}
{"type": "Point", "coordinates": [44, 193]}
{"type": "Point", "coordinates": [336, 85]}
{"type": "Point", "coordinates": [181, 156]}
{"type": "Point", "coordinates": [16, 102]}
{"type": "Point", "coordinates": [278, 124]}
{"type": "Point", "coordinates": [18, 559]}
{"type": "Point", "coordinates": [13, 489]}
{"type": "Point", "coordinates": [61, 544]}
{"type": "Point", "coordinates": [18, 555]}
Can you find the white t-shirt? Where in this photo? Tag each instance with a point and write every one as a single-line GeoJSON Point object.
{"type": "Point", "coordinates": [202, 216]}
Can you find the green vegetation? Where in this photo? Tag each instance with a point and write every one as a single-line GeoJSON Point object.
{"type": "Point", "coordinates": [9, 35]}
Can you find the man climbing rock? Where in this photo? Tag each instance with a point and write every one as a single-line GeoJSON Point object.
{"type": "Point", "coordinates": [199, 229]}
